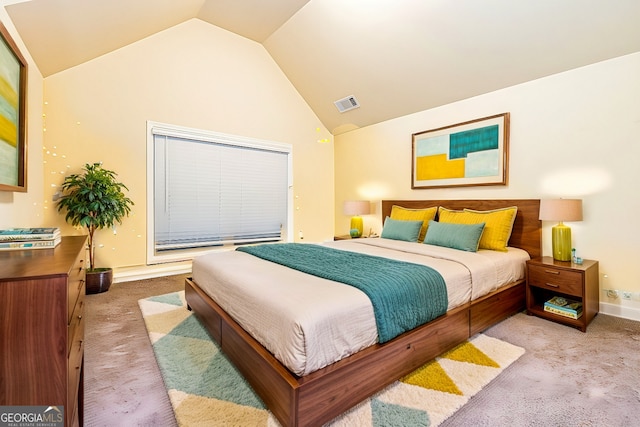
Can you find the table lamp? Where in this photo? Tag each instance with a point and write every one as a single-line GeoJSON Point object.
{"type": "Point", "coordinates": [561, 210]}
{"type": "Point", "coordinates": [355, 208]}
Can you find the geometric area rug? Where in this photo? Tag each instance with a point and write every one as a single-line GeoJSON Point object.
{"type": "Point", "coordinates": [206, 390]}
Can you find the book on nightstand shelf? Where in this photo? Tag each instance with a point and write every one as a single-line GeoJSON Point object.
{"type": "Point", "coordinates": [564, 307]}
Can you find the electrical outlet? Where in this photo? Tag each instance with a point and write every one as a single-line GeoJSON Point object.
{"type": "Point", "coordinates": [612, 293]}
{"type": "Point", "coordinates": [626, 295]}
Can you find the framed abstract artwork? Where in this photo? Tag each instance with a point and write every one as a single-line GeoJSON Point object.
{"type": "Point", "coordinates": [13, 86]}
{"type": "Point", "coordinates": [465, 154]}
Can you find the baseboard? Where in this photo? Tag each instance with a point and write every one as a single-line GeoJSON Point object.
{"type": "Point", "coordinates": [617, 310]}
{"type": "Point", "coordinates": [141, 272]}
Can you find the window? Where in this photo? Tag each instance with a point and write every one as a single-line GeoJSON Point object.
{"type": "Point", "coordinates": [208, 190]}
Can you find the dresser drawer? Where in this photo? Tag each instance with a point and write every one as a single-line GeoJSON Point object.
{"type": "Point", "coordinates": [75, 331]}
{"type": "Point", "coordinates": [567, 282]}
{"type": "Point", "coordinates": [76, 283]}
{"type": "Point", "coordinates": [76, 355]}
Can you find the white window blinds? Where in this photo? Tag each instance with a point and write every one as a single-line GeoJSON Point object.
{"type": "Point", "coordinates": [210, 190]}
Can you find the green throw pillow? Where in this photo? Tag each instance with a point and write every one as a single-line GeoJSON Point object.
{"type": "Point", "coordinates": [401, 230]}
{"type": "Point", "coordinates": [465, 237]}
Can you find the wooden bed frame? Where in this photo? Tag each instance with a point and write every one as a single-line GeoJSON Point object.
{"type": "Point", "coordinates": [317, 398]}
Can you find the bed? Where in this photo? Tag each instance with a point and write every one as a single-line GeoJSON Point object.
{"type": "Point", "coordinates": [315, 396]}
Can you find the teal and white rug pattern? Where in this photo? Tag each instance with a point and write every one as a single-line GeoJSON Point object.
{"type": "Point", "coordinates": [206, 390]}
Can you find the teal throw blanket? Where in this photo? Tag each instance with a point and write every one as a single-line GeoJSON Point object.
{"type": "Point", "coordinates": [404, 295]}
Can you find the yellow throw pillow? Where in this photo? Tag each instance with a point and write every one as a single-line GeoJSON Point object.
{"type": "Point", "coordinates": [424, 215]}
{"type": "Point", "coordinates": [497, 229]}
{"type": "Point", "coordinates": [449, 215]}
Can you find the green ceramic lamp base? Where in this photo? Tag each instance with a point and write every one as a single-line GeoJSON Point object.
{"type": "Point", "coordinates": [357, 226]}
{"type": "Point", "coordinates": [561, 242]}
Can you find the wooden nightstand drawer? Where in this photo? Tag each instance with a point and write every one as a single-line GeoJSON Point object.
{"type": "Point", "coordinates": [566, 282]}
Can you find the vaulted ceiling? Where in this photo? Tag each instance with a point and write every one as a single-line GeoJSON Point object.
{"type": "Point", "coordinates": [396, 57]}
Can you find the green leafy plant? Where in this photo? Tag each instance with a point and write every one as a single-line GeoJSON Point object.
{"type": "Point", "coordinates": [94, 199]}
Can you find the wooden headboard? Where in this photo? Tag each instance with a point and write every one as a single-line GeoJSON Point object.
{"type": "Point", "coordinates": [527, 229]}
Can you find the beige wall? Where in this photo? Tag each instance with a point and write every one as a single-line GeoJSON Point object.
{"type": "Point", "coordinates": [26, 209]}
{"type": "Point", "coordinates": [573, 134]}
{"type": "Point", "coordinates": [194, 75]}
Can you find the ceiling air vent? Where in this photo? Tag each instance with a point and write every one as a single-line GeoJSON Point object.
{"type": "Point", "coordinates": [346, 104]}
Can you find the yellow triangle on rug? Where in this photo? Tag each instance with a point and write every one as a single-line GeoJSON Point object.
{"type": "Point", "coordinates": [205, 389]}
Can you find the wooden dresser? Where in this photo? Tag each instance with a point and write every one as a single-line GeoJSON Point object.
{"type": "Point", "coordinates": [42, 328]}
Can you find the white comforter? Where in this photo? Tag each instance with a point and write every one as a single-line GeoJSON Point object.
{"type": "Point", "coordinates": [307, 322]}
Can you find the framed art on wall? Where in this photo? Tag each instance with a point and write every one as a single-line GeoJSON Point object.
{"type": "Point", "coordinates": [465, 154]}
{"type": "Point", "coordinates": [13, 85]}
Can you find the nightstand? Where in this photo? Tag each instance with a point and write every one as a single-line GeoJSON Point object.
{"type": "Point", "coordinates": [342, 237]}
{"type": "Point", "coordinates": [347, 237]}
{"type": "Point", "coordinates": [547, 278]}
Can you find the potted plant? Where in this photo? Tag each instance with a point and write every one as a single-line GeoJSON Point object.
{"type": "Point", "coordinates": [94, 199]}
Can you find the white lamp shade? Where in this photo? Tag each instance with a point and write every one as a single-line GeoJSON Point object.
{"type": "Point", "coordinates": [356, 207]}
{"type": "Point", "coordinates": [561, 210]}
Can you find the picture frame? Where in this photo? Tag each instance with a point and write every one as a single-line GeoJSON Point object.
{"type": "Point", "coordinates": [13, 109]}
{"type": "Point", "coordinates": [471, 153]}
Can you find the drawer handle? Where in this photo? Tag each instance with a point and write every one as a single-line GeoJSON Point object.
{"type": "Point", "coordinates": [552, 272]}
{"type": "Point", "coordinates": [552, 285]}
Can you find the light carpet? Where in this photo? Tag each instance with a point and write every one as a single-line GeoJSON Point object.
{"type": "Point", "coordinates": [205, 389]}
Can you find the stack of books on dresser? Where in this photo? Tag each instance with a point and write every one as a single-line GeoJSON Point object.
{"type": "Point", "coordinates": [29, 238]}
{"type": "Point", "coordinates": [564, 307]}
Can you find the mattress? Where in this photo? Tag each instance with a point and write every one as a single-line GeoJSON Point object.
{"type": "Point", "coordinates": [308, 322]}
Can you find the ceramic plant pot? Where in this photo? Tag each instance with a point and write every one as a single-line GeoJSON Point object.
{"type": "Point", "coordinates": [99, 280]}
